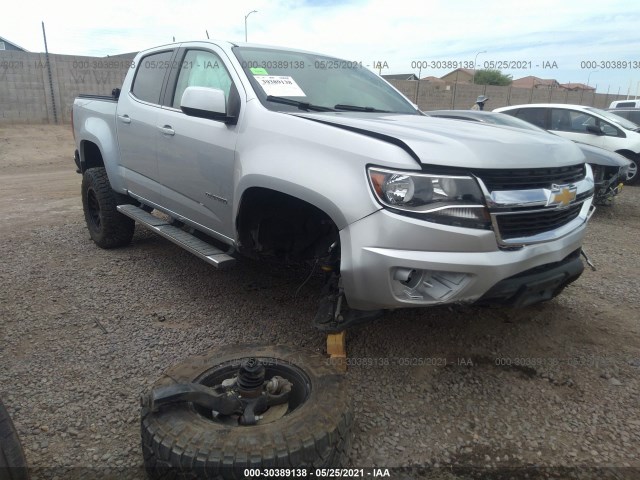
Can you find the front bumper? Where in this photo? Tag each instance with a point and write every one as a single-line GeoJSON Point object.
{"type": "Point", "coordinates": [393, 261]}
{"type": "Point", "coordinates": [535, 285]}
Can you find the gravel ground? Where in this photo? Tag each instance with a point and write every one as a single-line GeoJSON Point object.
{"type": "Point", "coordinates": [84, 331]}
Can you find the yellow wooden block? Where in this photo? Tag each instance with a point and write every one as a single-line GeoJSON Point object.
{"type": "Point", "coordinates": [336, 344]}
{"type": "Point", "coordinates": [337, 350]}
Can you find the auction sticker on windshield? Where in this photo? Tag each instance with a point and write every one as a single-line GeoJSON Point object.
{"type": "Point", "coordinates": [279, 86]}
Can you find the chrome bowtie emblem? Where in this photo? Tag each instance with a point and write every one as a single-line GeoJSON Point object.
{"type": "Point", "coordinates": [562, 195]}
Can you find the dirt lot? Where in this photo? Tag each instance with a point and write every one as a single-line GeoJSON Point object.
{"type": "Point", "coordinates": [84, 331]}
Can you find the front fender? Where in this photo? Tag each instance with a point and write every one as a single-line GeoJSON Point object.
{"type": "Point", "coordinates": [320, 164]}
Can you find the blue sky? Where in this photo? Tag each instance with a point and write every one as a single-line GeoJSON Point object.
{"type": "Point", "coordinates": [398, 32]}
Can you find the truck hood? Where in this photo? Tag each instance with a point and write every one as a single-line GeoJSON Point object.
{"type": "Point", "coordinates": [436, 141]}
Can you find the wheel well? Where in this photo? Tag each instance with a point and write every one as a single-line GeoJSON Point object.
{"type": "Point", "coordinates": [91, 156]}
{"type": "Point", "coordinates": [628, 154]}
{"type": "Point", "coordinates": [277, 225]}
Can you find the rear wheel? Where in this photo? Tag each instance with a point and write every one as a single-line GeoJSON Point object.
{"type": "Point", "coordinates": [108, 227]}
{"type": "Point", "coordinates": [13, 465]}
{"type": "Point", "coordinates": [311, 429]}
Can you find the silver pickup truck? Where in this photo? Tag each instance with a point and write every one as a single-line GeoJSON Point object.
{"type": "Point", "coordinates": [296, 156]}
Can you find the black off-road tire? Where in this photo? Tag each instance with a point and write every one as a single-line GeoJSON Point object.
{"type": "Point", "coordinates": [181, 442]}
{"type": "Point", "coordinates": [13, 464]}
{"type": "Point", "coordinates": [108, 227]}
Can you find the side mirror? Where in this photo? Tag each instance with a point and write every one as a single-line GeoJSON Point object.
{"type": "Point", "coordinates": [206, 102]}
{"type": "Point", "coordinates": [594, 129]}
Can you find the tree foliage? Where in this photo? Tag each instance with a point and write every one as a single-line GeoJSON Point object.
{"type": "Point", "coordinates": [492, 77]}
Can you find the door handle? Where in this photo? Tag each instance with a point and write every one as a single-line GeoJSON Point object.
{"type": "Point", "coordinates": [124, 118]}
{"type": "Point", "coordinates": [167, 130]}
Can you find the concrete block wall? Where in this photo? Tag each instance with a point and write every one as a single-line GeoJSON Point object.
{"type": "Point", "coordinates": [76, 75]}
{"type": "Point", "coordinates": [407, 87]}
{"type": "Point", "coordinates": [22, 95]}
{"type": "Point", "coordinates": [465, 95]}
{"type": "Point", "coordinates": [435, 96]}
{"type": "Point", "coordinates": [462, 96]}
{"type": "Point", "coordinates": [27, 95]}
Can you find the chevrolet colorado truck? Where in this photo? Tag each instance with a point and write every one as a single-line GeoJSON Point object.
{"type": "Point", "coordinates": [289, 155]}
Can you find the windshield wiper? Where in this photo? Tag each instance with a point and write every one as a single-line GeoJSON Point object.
{"type": "Point", "coordinates": [357, 108]}
{"type": "Point", "coordinates": [301, 105]}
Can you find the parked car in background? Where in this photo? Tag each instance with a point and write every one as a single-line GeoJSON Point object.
{"type": "Point", "coordinates": [609, 168]}
{"type": "Point", "coordinates": [625, 104]}
{"type": "Point", "coordinates": [631, 114]}
{"type": "Point", "coordinates": [589, 125]}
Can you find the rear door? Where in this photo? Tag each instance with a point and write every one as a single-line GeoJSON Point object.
{"type": "Point", "coordinates": [136, 120]}
{"type": "Point", "coordinates": [196, 155]}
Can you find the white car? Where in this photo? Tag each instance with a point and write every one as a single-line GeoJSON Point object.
{"type": "Point", "coordinates": [625, 104]}
{"type": "Point", "coordinates": [586, 125]}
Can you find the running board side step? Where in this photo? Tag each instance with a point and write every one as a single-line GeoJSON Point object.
{"type": "Point", "coordinates": [199, 248]}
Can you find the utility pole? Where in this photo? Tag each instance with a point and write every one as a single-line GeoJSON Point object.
{"type": "Point", "coordinates": [46, 53]}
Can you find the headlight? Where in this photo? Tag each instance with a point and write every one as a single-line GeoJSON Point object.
{"type": "Point", "coordinates": [454, 200]}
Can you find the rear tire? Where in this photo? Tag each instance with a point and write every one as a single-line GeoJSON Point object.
{"type": "Point", "coordinates": [13, 464]}
{"type": "Point", "coordinates": [108, 227]}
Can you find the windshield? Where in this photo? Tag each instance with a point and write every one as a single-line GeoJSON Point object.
{"type": "Point", "coordinates": [612, 117]}
{"type": "Point", "coordinates": [308, 81]}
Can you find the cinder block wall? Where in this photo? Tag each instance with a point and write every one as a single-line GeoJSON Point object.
{"type": "Point", "coordinates": [462, 96]}
{"type": "Point", "coordinates": [22, 95]}
{"type": "Point", "coordinates": [29, 95]}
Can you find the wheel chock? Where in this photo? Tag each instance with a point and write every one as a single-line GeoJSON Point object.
{"type": "Point", "coordinates": [337, 349]}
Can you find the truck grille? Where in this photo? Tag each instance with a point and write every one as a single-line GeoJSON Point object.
{"type": "Point", "coordinates": [527, 224]}
{"type": "Point", "coordinates": [530, 178]}
{"type": "Point", "coordinates": [515, 223]}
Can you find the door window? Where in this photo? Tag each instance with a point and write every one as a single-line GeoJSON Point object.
{"type": "Point", "coordinates": [570, 121]}
{"type": "Point", "coordinates": [201, 68]}
{"type": "Point", "coordinates": [536, 116]}
{"type": "Point", "coordinates": [149, 78]}
{"type": "Point", "coordinates": [577, 122]}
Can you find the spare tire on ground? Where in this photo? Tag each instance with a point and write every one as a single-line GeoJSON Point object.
{"type": "Point", "coordinates": [311, 429]}
{"type": "Point", "coordinates": [13, 465]}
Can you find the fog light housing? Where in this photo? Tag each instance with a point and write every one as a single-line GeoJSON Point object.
{"type": "Point", "coordinates": [426, 286]}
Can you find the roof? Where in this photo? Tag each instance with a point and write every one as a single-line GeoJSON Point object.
{"type": "Point", "coordinates": [2, 39]}
{"type": "Point", "coordinates": [576, 86]}
{"type": "Point", "coordinates": [468, 71]}
{"type": "Point", "coordinates": [400, 76]}
{"type": "Point", "coordinates": [531, 81]}
{"type": "Point", "coordinates": [431, 78]}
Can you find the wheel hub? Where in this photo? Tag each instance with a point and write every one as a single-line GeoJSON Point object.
{"type": "Point", "coordinates": [244, 399]}
{"type": "Point", "coordinates": [93, 208]}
